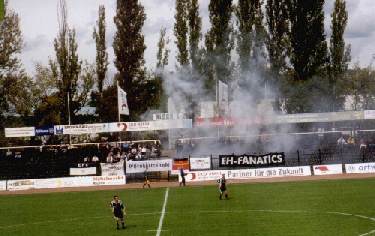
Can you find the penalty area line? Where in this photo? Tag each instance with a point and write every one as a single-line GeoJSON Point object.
{"type": "Point", "coordinates": [158, 231]}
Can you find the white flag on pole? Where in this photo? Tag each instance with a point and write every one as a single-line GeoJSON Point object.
{"type": "Point", "coordinates": [223, 92]}
{"type": "Point", "coordinates": [122, 102]}
{"type": "Point", "coordinates": [223, 97]}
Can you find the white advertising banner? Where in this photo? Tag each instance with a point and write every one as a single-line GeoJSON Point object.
{"type": "Point", "coordinates": [112, 169]}
{"type": "Point", "coordinates": [148, 166]}
{"type": "Point", "coordinates": [369, 114]}
{"type": "Point", "coordinates": [327, 169]}
{"type": "Point", "coordinates": [82, 129]}
{"type": "Point", "coordinates": [130, 126]}
{"type": "Point", "coordinates": [82, 171]}
{"type": "Point", "coordinates": [19, 132]}
{"type": "Point", "coordinates": [3, 185]}
{"type": "Point", "coordinates": [249, 173]}
{"type": "Point", "coordinates": [200, 163]}
{"type": "Point", "coordinates": [109, 180]}
{"type": "Point", "coordinates": [150, 125]}
{"type": "Point", "coordinates": [360, 168]}
{"type": "Point", "coordinates": [50, 183]}
{"type": "Point", "coordinates": [172, 124]}
{"type": "Point", "coordinates": [68, 182]}
{"type": "Point", "coordinates": [21, 184]}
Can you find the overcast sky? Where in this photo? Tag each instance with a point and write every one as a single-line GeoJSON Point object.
{"type": "Point", "coordinates": [39, 28]}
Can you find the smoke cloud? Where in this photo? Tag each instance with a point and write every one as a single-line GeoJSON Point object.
{"type": "Point", "coordinates": [248, 117]}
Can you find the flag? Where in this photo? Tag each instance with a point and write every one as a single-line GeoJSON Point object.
{"type": "Point", "coordinates": [223, 98]}
{"type": "Point", "coordinates": [122, 102]}
{"type": "Point", "coordinates": [223, 92]}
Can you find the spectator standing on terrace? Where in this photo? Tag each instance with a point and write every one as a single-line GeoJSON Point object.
{"type": "Point", "coordinates": [95, 159]}
{"type": "Point", "coordinates": [86, 160]}
{"type": "Point", "coordinates": [109, 158]}
{"type": "Point", "coordinates": [351, 140]}
{"type": "Point", "coordinates": [362, 145]}
{"type": "Point", "coordinates": [341, 142]}
{"type": "Point", "coordinates": [143, 151]}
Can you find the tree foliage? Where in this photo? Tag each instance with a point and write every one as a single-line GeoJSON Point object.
{"type": "Point", "coordinates": [129, 49]}
{"type": "Point", "coordinates": [101, 49]}
{"type": "Point", "coordinates": [308, 54]}
{"type": "Point", "coordinates": [219, 43]}
{"type": "Point", "coordinates": [360, 86]}
{"type": "Point", "coordinates": [163, 51]}
{"type": "Point", "coordinates": [195, 35]}
{"type": "Point", "coordinates": [99, 35]}
{"type": "Point", "coordinates": [251, 37]}
{"type": "Point", "coordinates": [278, 42]}
{"type": "Point", "coordinates": [181, 31]}
{"type": "Point", "coordinates": [339, 55]}
{"type": "Point", "coordinates": [15, 87]}
{"type": "Point", "coordinates": [65, 85]}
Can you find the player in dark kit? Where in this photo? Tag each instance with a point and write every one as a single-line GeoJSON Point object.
{"type": "Point", "coordinates": [146, 182]}
{"type": "Point", "coordinates": [223, 187]}
{"type": "Point", "coordinates": [118, 210]}
{"type": "Point", "coordinates": [182, 175]}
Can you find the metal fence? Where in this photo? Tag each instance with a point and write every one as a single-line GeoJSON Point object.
{"type": "Point", "coordinates": [332, 155]}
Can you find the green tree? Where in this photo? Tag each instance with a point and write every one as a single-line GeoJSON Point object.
{"type": "Point", "coordinates": [68, 63]}
{"type": "Point", "coordinates": [162, 60]}
{"type": "Point", "coordinates": [278, 31]}
{"type": "Point", "coordinates": [129, 49]}
{"type": "Point", "coordinates": [74, 79]}
{"type": "Point", "coordinates": [339, 55]}
{"type": "Point", "coordinates": [360, 87]}
{"type": "Point", "coordinates": [181, 31]}
{"type": "Point", "coordinates": [99, 36]}
{"type": "Point", "coordinates": [251, 35]}
{"type": "Point", "coordinates": [15, 86]}
{"type": "Point", "coordinates": [219, 43]}
{"type": "Point", "coordinates": [307, 55]}
{"type": "Point", "coordinates": [195, 35]}
{"type": "Point", "coordinates": [163, 51]}
{"type": "Point", "coordinates": [245, 20]}
{"type": "Point", "coordinates": [101, 49]}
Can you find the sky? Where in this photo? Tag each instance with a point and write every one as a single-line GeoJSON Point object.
{"type": "Point", "coordinates": [39, 28]}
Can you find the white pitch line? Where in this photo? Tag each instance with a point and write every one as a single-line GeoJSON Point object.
{"type": "Point", "coordinates": [371, 232]}
{"type": "Point", "coordinates": [162, 213]}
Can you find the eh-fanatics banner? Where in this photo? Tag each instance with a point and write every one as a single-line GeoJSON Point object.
{"type": "Point", "coordinates": [267, 160]}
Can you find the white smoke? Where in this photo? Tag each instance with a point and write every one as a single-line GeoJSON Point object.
{"type": "Point", "coordinates": [250, 108]}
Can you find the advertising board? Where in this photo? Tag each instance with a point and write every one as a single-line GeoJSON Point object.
{"type": "Point", "coordinates": [327, 169]}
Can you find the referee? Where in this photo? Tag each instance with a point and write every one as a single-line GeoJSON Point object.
{"type": "Point", "coordinates": [118, 210]}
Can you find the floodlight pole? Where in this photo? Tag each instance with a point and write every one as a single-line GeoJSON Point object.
{"type": "Point", "coordinates": [118, 108]}
{"type": "Point", "coordinates": [69, 120]}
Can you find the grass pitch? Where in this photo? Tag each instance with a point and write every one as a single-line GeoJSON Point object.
{"type": "Point", "coordinates": [330, 207]}
{"type": "Point", "coordinates": [1, 10]}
